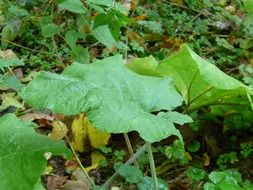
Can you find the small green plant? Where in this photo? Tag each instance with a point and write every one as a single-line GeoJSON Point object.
{"type": "Point", "coordinates": [176, 152]}
{"type": "Point", "coordinates": [119, 155]}
{"type": "Point", "coordinates": [195, 174]}
{"type": "Point", "coordinates": [132, 174]}
{"type": "Point", "coordinates": [246, 149]}
{"type": "Point", "coordinates": [194, 146]}
{"type": "Point", "coordinates": [228, 179]}
{"type": "Point", "coordinates": [225, 159]}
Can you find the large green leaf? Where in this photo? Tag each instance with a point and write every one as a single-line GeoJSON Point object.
{"type": "Point", "coordinates": [248, 5]}
{"type": "Point", "coordinates": [199, 82]}
{"type": "Point", "coordinates": [21, 153]}
{"type": "Point", "coordinates": [116, 99]}
{"type": "Point", "coordinates": [235, 118]}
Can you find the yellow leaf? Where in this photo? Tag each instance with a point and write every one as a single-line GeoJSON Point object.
{"type": "Point", "coordinates": [79, 131]}
{"type": "Point", "coordinates": [222, 2]}
{"type": "Point", "coordinates": [84, 134]}
{"type": "Point", "coordinates": [9, 99]}
{"type": "Point", "coordinates": [188, 156]}
{"type": "Point", "coordinates": [59, 130]}
{"type": "Point", "coordinates": [206, 159]}
{"type": "Point", "coordinates": [96, 158]}
{"type": "Point", "coordinates": [48, 170]}
{"type": "Point", "coordinates": [97, 138]}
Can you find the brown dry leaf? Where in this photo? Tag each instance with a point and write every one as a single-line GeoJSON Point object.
{"type": "Point", "coordinates": [84, 133]}
{"type": "Point", "coordinates": [74, 185]}
{"type": "Point", "coordinates": [173, 42]}
{"type": "Point", "coordinates": [86, 29]}
{"type": "Point", "coordinates": [71, 165]}
{"type": "Point", "coordinates": [81, 182]}
{"type": "Point", "coordinates": [59, 130]}
{"type": "Point", "coordinates": [18, 72]}
{"type": "Point", "coordinates": [54, 182]}
{"type": "Point", "coordinates": [135, 36]}
{"type": "Point", "coordinates": [60, 117]}
{"type": "Point", "coordinates": [140, 18]}
{"type": "Point", "coordinates": [43, 123]}
{"type": "Point", "coordinates": [96, 158]}
{"type": "Point", "coordinates": [37, 115]}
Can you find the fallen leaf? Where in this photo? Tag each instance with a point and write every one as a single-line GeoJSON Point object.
{"type": "Point", "coordinates": [71, 165]}
{"type": "Point", "coordinates": [7, 54]}
{"type": "Point", "coordinates": [81, 182]}
{"type": "Point", "coordinates": [54, 182]}
{"type": "Point", "coordinates": [115, 188]}
{"type": "Point", "coordinates": [30, 76]}
{"type": "Point", "coordinates": [140, 17]}
{"type": "Point", "coordinates": [9, 99]}
{"type": "Point", "coordinates": [188, 156]}
{"type": "Point", "coordinates": [18, 73]}
{"type": "Point", "coordinates": [79, 131]}
{"type": "Point", "coordinates": [96, 158]}
{"type": "Point", "coordinates": [37, 115]}
{"type": "Point", "coordinates": [86, 29]}
{"type": "Point", "coordinates": [59, 130]}
{"type": "Point", "coordinates": [84, 134]}
{"type": "Point", "coordinates": [206, 159]}
{"type": "Point", "coordinates": [74, 185]}
{"type": "Point", "coordinates": [49, 169]}
{"type": "Point", "coordinates": [96, 137]}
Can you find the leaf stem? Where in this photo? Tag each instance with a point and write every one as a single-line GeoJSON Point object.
{"type": "Point", "coordinates": [77, 158]}
{"type": "Point", "coordinates": [130, 148]}
{"type": "Point", "coordinates": [152, 165]}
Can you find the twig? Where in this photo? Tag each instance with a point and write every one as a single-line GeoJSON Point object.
{"type": "Point", "coordinates": [33, 50]}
